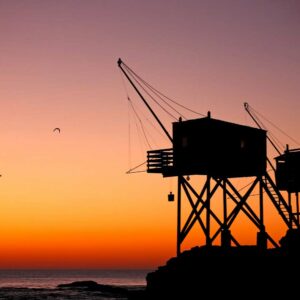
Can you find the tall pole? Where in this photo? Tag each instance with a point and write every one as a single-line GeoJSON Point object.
{"type": "Point", "coordinates": [120, 62]}
{"type": "Point", "coordinates": [208, 198]}
{"type": "Point", "coordinates": [297, 206]}
{"type": "Point", "coordinates": [246, 106]}
{"type": "Point", "coordinates": [179, 216]}
{"type": "Point", "coordinates": [261, 206]}
{"type": "Point", "coordinates": [224, 204]}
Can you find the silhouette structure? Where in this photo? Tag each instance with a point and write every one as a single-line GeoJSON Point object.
{"type": "Point", "coordinates": [220, 151]}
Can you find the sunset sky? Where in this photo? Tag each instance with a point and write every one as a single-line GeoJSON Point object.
{"type": "Point", "coordinates": [66, 200]}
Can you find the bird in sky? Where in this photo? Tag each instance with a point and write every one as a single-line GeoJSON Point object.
{"type": "Point", "coordinates": [56, 129]}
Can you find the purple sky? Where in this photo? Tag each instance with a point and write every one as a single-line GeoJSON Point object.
{"type": "Point", "coordinates": [58, 62]}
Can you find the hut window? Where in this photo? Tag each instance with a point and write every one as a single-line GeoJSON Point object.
{"type": "Point", "coordinates": [243, 144]}
{"type": "Point", "coordinates": [184, 142]}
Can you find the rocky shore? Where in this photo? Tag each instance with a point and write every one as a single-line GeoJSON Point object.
{"type": "Point", "coordinates": [83, 290]}
{"type": "Point", "coordinates": [214, 272]}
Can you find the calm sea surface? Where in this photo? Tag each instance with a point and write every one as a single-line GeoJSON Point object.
{"type": "Point", "coordinates": [51, 278]}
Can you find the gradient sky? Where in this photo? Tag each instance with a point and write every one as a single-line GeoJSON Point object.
{"type": "Point", "coordinates": [66, 200]}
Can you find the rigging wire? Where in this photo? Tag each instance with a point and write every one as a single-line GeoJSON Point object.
{"type": "Point", "coordinates": [279, 129]}
{"type": "Point", "coordinates": [129, 135]}
{"type": "Point", "coordinates": [141, 123]}
{"type": "Point", "coordinates": [160, 101]}
{"type": "Point", "coordinates": [128, 116]}
{"type": "Point", "coordinates": [147, 135]}
{"type": "Point", "coordinates": [142, 133]}
{"type": "Point", "coordinates": [131, 169]}
{"type": "Point", "coordinates": [144, 100]}
{"type": "Point", "coordinates": [155, 92]}
{"type": "Point", "coordinates": [173, 101]}
{"type": "Point", "coordinates": [164, 109]}
{"type": "Point", "coordinates": [141, 113]}
{"type": "Point", "coordinates": [159, 94]}
{"type": "Point", "coordinates": [138, 112]}
{"type": "Point", "coordinates": [274, 141]}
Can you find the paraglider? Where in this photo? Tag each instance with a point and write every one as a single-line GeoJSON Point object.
{"type": "Point", "coordinates": [56, 129]}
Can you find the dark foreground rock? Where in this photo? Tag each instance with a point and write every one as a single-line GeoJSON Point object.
{"type": "Point", "coordinates": [232, 273]}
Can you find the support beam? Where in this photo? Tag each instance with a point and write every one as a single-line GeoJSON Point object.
{"type": "Point", "coordinates": [179, 215]}
{"type": "Point", "coordinates": [208, 197]}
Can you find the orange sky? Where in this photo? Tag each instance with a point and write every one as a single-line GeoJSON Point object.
{"type": "Point", "coordinates": [66, 200]}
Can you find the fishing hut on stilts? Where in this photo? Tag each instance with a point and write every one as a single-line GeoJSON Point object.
{"type": "Point", "coordinates": [221, 151]}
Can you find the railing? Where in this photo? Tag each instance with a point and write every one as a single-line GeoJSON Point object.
{"type": "Point", "coordinates": [159, 161]}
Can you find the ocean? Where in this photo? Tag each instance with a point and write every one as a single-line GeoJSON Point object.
{"type": "Point", "coordinates": [51, 278]}
{"type": "Point", "coordinates": [43, 284]}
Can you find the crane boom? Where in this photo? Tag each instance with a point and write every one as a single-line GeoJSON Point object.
{"type": "Point", "coordinates": [120, 63]}
{"type": "Point", "coordinates": [246, 106]}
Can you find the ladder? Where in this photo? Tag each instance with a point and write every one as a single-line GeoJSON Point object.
{"type": "Point", "coordinates": [279, 202]}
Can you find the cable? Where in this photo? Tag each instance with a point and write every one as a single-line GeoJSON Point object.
{"type": "Point", "coordinates": [159, 99]}
{"type": "Point", "coordinates": [131, 171]}
{"type": "Point", "coordinates": [161, 94]}
{"type": "Point", "coordinates": [259, 123]}
{"type": "Point", "coordinates": [141, 123]}
{"type": "Point", "coordinates": [283, 132]}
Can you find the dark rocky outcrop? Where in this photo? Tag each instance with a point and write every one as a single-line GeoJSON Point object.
{"type": "Point", "coordinates": [109, 291]}
{"type": "Point", "coordinates": [94, 286]}
{"type": "Point", "coordinates": [232, 273]}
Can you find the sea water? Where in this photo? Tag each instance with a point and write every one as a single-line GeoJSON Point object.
{"type": "Point", "coordinates": [51, 278]}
